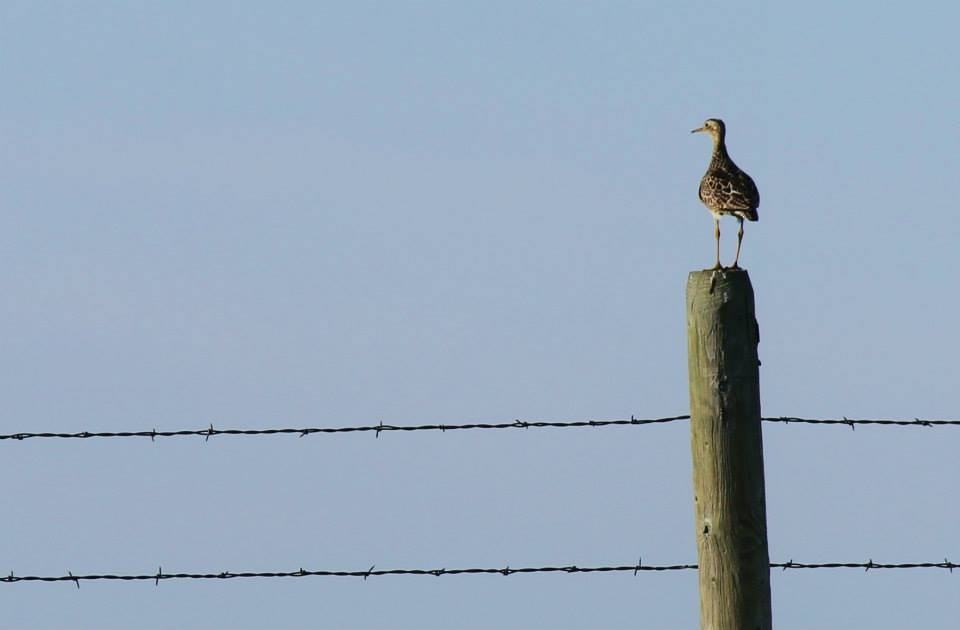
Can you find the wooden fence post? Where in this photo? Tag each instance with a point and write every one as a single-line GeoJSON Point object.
{"type": "Point", "coordinates": [727, 445]}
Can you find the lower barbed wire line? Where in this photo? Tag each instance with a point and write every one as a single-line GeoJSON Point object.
{"type": "Point", "coordinates": [377, 429]}
{"type": "Point", "coordinates": [505, 571]}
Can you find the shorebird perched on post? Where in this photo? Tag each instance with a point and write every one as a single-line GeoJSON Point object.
{"type": "Point", "coordinates": [725, 189]}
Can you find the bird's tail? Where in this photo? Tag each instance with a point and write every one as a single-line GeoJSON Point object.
{"type": "Point", "coordinates": [749, 215]}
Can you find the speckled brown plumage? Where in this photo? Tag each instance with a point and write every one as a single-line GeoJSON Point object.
{"type": "Point", "coordinates": [725, 189]}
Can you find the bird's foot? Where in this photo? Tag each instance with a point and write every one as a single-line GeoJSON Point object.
{"type": "Point", "coordinates": [734, 265]}
{"type": "Point", "coordinates": [717, 267]}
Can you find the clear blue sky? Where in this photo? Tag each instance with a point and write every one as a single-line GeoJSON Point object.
{"type": "Point", "coordinates": [281, 214]}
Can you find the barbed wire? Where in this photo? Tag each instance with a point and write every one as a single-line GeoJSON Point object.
{"type": "Point", "coordinates": [377, 429]}
{"type": "Point", "coordinates": [506, 571]}
{"type": "Point", "coordinates": [867, 566]}
{"type": "Point", "coordinates": [852, 423]}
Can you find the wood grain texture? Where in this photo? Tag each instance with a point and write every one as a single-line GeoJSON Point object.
{"type": "Point", "coordinates": [727, 446]}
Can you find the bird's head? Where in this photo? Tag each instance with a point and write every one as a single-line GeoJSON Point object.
{"type": "Point", "coordinates": [713, 126]}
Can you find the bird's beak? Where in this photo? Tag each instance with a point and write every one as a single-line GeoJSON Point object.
{"type": "Point", "coordinates": [699, 129]}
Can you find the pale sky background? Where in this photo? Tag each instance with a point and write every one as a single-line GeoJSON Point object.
{"type": "Point", "coordinates": [311, 213]}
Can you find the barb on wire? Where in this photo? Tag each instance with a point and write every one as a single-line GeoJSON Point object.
{"type": "Point", "coordinates": [209, 431]}
{"type": "Point", "coordinates": [376, 429]}
{"type": "Point", "coordinates": [506, 571]}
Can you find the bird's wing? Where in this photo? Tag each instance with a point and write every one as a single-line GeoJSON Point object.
{"type": "Point", "coordinates": [729, 190]}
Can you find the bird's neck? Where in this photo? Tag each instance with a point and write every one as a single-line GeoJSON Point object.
{"type": "Point", "coordinates": [720, 155]}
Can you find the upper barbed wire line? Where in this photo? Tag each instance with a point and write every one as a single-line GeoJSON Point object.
{"type": "Point", "coordinates": [505, 571]}
{"type": "Point", "coordinates": [374, 428]}
{"type": "Point", "coordinates": [853, 422]}
{"type": "Point", "coordinates": [211, 431]}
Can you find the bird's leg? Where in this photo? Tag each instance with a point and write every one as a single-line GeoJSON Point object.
{"type": "Point", "coordinates": [736, 259]}
{"type": "Point", "coordinates": [716, 235]}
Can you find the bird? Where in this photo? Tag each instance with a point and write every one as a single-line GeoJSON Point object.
{"type": "Point", "coordinates": [725, 189]}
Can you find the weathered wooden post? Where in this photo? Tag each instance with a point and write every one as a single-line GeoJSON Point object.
{"type": "Point", "coordinates": [727, 444]}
